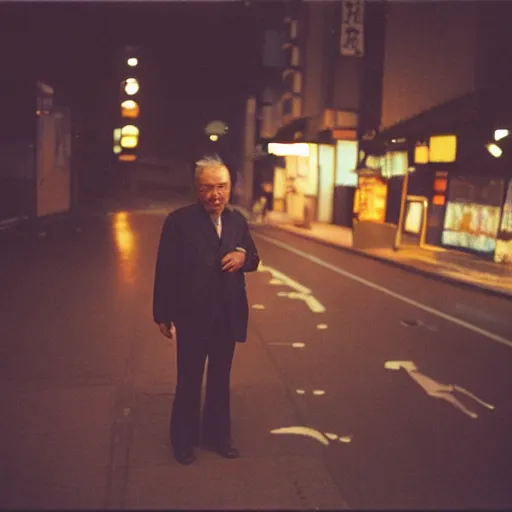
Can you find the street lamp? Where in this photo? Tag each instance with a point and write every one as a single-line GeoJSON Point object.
{"type": "Point", "coordinates": [214, 138]}
{"type": "Point", "coordinates": [131, 86]}
{"type": "Point", "coordinates": [132, 62]}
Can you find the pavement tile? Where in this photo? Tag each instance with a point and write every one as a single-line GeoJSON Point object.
{"type": "Point", "coordinates": [285, 483]}
{"type": "Point", "coordinates": [55, 442]}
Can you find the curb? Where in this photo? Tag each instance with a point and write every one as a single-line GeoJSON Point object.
{"type": "Point", "coordinates": [397, 264]}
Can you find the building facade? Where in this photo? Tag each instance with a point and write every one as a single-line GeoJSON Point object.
{"type": "Point", "coordinates": [328, 97]}
{"type": "Point", "coordinates": [441, 154]}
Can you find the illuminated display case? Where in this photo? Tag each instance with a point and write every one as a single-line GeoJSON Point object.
{"type": "Point", "coordinates": [473, 213]}
{"type": "Point", "coordinates": [503, 252]}
{"type": "Point", "coordinates": [371, 196]}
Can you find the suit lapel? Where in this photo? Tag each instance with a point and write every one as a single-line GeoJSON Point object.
{"type": "Point", "coordinates": [203, 231]}
{"type": "Point", "coordinates": [226, 239]}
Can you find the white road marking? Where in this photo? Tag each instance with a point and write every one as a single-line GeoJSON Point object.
{"type": "Point", "coordinates": [436, 389]}
{"type": "Point", "coordinates": [300, 293]}
{"type": "Point", "coordinates": [283, 279]}
{"type": "Point", "coordinates": [302, 431]}
{"type": "Point", "coordinates": [314, 434]}
{"type": "Point", "coordinates": [258, 306]}
{"type": "Point", "coordinates": [316, 392]}
{"type": "Point", "coordinates": [471, 327]}
{"type": "Point", "coordinates": [311, 302]}
{"type": "Point", "coordinates": [296, 344]}
{"type": "Point", "coordinates": [322, 327]}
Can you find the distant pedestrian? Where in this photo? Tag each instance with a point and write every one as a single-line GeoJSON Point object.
{"type": "Point", "coordinates": [199, 293]}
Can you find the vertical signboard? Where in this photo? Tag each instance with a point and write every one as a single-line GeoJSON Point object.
{"type": "Point", "coordinates": [352, 28]}
{"type": "Point", "coordinates": [53, 149]}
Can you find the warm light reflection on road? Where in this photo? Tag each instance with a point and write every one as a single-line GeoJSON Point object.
{"type": "Point", "coordinates": [126, 247]}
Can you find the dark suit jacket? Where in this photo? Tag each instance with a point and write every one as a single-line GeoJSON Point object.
{"type": "Point", "coordinates": [190, 289]}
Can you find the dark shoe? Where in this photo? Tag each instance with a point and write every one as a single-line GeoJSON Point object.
{"type": "Point", "coordinates": [224, 450]}
{"type": "Point", "coordinates": [185, 457]}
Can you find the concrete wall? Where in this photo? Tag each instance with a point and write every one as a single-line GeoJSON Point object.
{"type": "Point", "coordinates": [430, 55]}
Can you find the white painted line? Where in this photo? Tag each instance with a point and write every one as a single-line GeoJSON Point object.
{"type": "Point", "coordinates": [296, 344]}
{"type": "Point", "coordinates": [302, 431]}
{"type": "Point", "coordinates": [283, 279]}
{"type": "Point", "coordinates": [322, 327]}
{"type": "Point", "coordinates": [471, 327]}
{"type": "Point", "coordinates": [258, 306]}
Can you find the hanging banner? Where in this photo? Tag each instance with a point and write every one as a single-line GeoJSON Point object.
{"type": "Point", "coordinates": [352, 28]}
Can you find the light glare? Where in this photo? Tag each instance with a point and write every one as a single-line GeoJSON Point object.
{"type": "Point", "coordinates": [501, 134]}
{"type": "Point", "coordinates": [297, 149]}
{"type": "Point", "coordinates": [132, 62]}
{"type": "Point", "coordinates": [131, 86]}
{"type": "Point", "coordinates": [495, 150]}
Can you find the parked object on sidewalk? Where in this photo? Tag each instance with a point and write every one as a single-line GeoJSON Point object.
{"type": "Point", "coordinates": [199, 289]}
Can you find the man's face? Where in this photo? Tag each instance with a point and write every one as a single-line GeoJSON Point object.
{"type": "Point", "coordinates": [214, 187]}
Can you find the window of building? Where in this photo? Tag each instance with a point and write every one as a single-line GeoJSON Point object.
{"type": "Point", "coordinates": [395, 164]}
{"type": "Point", "coordinates": [346, 162]}
{"type": "Point", "coordinates": [297, 83]}
{"type": "Point", "coordinates": [288, 82]}
{"type": "Point", "coordinates": [287, 106]}
{"type": "Point", "coordinates": [288, 55]}
{"type": "Point", "coordinates": [443, 148]}
{"type": "Point", "coordinates": [293, 29]}
{"type": "Point", "coordinates": [295, 56]}
{"type": "Point", "coordinates": [297, 107]}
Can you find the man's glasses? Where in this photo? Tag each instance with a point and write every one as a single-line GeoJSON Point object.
{"type": "Point", "coordinates": [222, 187]}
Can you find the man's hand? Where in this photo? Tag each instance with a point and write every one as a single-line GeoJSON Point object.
{"type": "Point", "coordinates": [168, 332]}
{"type": "Point", "coordinates": [233, 261]}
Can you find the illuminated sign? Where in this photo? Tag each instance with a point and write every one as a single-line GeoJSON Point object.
{"type": "Point", "coordinates": [413, 217]}
{"type": "Point", "coordinates": [371, 199]}
{"type": "Point", "coordinates": [503, 252]}
{"type": "Point", "coordinates": [352, 28]}
{"type": "Point", "coordinates": [296, 149]}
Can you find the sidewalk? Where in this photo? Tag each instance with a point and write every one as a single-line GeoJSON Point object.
{"type": "Point", "coordinates": [433, 261]}
{"type": "Point", "coordinates": [272, 473]}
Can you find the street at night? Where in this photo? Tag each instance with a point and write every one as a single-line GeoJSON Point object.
{"type": "Point", "coordinates": [360, 386]}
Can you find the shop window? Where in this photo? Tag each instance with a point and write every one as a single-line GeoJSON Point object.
{"type": "Point", "coordinates": [443, 148]}
{"type": "Point", "coordinates": [346, 162]}
{"type": "Point", "coordinates": [395, 164]}
{"type": "Point", "coordinates": [421, 154]}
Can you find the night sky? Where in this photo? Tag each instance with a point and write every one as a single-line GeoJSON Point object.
{"type": "Point", "coordinates": [200, 61]}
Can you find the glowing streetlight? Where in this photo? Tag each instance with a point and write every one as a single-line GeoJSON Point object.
{"type": "Point", "coordinates": [131, 86]}
{"type": "Point", "coordinates": [495, 150]}
{"type": "Point", "coordinates": [130, 109]}
{"type": "Point", "coordinates": [214, 138]}
{"type": "Point", "coordinates": [132, 62]}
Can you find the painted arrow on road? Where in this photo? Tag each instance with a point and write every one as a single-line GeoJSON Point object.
{"type": "Point", "coordinates": [436, 389]}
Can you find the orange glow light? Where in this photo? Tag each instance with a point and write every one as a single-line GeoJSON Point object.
{"type": "Point", "coordinates": [127, 158]}
{"type": "Point", "coordinates": [440, 184]}
{"type": "Point", "coordinates": [130, 109]}
{"type": "Point", "coordinates": [439, 200]}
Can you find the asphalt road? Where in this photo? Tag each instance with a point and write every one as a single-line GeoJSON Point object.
{"type": "Point", "coordinates": [87, 382]}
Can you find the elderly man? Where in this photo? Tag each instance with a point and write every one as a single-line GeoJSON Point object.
{"type": "Point", "coordinates": [200, 292]}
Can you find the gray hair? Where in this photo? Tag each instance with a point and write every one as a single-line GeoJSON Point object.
{"type": "Point", "coordinates": [208, 162]}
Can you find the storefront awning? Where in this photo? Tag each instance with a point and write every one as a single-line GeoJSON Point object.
{"type": "Point", "coordinates": [474, 109]}
{"type": "Point", "coordinates": [295, 131]}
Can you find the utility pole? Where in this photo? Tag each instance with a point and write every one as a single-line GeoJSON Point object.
{"type": "Point", "coordinates": [249, 148]}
